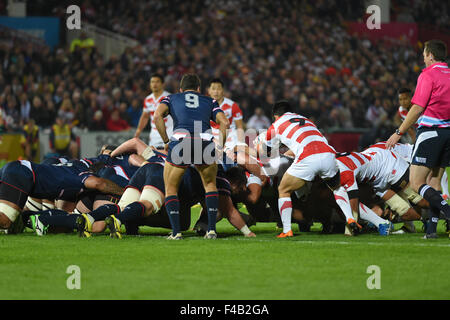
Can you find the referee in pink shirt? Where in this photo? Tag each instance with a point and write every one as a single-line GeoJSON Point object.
{"type": "Point", "coordinates": [432, 149]}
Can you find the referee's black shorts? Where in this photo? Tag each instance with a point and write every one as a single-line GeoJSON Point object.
{"type": "Point", "coordinates": [432, 148]}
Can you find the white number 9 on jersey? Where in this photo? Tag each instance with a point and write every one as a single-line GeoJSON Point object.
{"type": "Point", "coordinates": [191, 100]}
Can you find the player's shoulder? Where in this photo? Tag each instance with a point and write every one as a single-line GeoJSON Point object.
{"type": "Point", "coordinates": [228, 102]}
{"type": "Point", "coordinates": [169, 97]}
{"type": "Point", "coordinates": [149, 97]}
{"type": "Point", "coordinates": [207, 99]}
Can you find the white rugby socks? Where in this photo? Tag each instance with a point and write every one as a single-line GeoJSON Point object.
{"type": "Point", "coordinates": [285, 208]}
{"type": "Point", "coordinates": [343, 202]}
{"type": "Point", "coordinates": [367, 214]}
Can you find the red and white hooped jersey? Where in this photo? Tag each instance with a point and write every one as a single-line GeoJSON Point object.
{"type": "Point", "coordinates": [403, 112]}
{"type": "Point", "coordinates": [274, 169]}
{"type": "Point", "coordinates": [299, 134]}
{"type": "Point", "coordinates": [404, 150]}
{"type": "Point", "coordinates": [233, 113]}
{"type": "Point", "coordinates": [380, 169]}
{"type": "Point", "coordinates": [150, 104]}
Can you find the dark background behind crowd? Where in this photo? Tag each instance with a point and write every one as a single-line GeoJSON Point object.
{"type": "Point", "coordinates": [262, 50]}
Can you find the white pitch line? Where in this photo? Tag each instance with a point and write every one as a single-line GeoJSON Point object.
{"type": "Point", "coordinates": [320, 242]}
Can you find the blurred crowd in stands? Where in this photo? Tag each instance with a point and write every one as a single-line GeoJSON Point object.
{"type": "Point", "coordinates": [262, 50]}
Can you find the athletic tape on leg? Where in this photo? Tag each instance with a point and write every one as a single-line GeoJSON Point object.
{"type": "Point", "coordinates": [129, 196]}
{"type": "Point", "coordinates": [10, 212]}
{"type": "Point", "coordinates": [398, 204]}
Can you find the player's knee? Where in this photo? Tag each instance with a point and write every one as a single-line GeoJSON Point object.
{"type": "Point", "coordinates": [148, 207]}
{"type": "Point", "coordinates": [410, 195]}
{"type": "Point", "coordinates": [416, 183]}
{"type": "Point", "coordinates": [152, 200]}
{"type": "Point", "coordinates": [209, 179]}
{"type": "Point", "coordinates": [129, 196]}
{"type": "Point", "coordinates": [284, 189]}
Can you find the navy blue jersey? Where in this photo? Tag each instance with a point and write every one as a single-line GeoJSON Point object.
{"type": "Point", "coordinates": [119, 170]}
{"type": "Point", "coordinates": [192, 190]}
{"type": "Point", "coordinates": [190, 106]}
{"type": "Point", "coordinates": [151, 174]}
{"type": "Point", "coordinates": [61, 181]}
{"type": "Point", "coordinates": [56, 160]}
{"type": "Point", "coordinates": [104, 158]}
{"type": "Point", "coordinates": [123, 166]}
{"type": "Point", "coordinates": [115, 174]}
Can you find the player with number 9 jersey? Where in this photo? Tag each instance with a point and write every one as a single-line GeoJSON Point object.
{"type": "Point", "coordinates": [191, 144]}
{"type": "Point", "coordinates": [191, 113]}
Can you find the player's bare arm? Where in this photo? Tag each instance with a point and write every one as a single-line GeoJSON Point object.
{"type": "Point", "coordinates": [136, 160]}
{"type": "Point", "coordinates": [162, 111]}
{"type": "Point", "coordinates": [412, 117]}
{"type": "Point", "coordinates": [143, 120]}
{"type": "Point", "coordinates": [229, 211]}
{"type": "Point", "coordinates": [224, 124]}
{"type": "Point", "coordinates": [103, 185]}
{"type": "Point", "coordinates": [255, 193]}
{"type": "Point", "coordinates": [240, 130]}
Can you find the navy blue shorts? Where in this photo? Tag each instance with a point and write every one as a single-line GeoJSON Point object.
{"type": "Point", "coordinates": [432, 148]}
{"type": "Point", "coordinates": [191, 151]}
{"type": "Point", "coordinates": [151, 174]}
{"type": "Point", "coordinates": [16, 182]}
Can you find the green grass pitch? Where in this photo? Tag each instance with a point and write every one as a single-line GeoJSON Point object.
{"type": "Point", "coordinates": [308, 266]}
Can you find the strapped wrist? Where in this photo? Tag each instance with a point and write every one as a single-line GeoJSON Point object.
{"type": "Point", "coordinates": [245, 230]}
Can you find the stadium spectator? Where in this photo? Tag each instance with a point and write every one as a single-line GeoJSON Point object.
{"type": "Point", "coordinates": [134, 112]}
{"type": "Point", "coordinates": [83, 42]}
{"type": "Point", "coordinates": [30, 140]}
{"type": "Point", "coordinates": [62, 140]}
{"type": "Point", "coordinates": [38, 113]}
{"type": "Point", "coordinates": [115, 123]}
{"type": "Point", "coordinates": [25, 108]}
{"type": "Point", "coordinates": [11, 113]}
{"type": "Point", "coordinates": [294, 53]}
{"type": "Point", "coordinates": [97, 121]}
{"type": "Point", "coordinates": [259, 120]}
{"type": "Point", "coordinates": [376, 114]}
{"type": "Point", "coordinates": [66, 112]}
{"type": "Point", "coordinates": [2, 122]}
